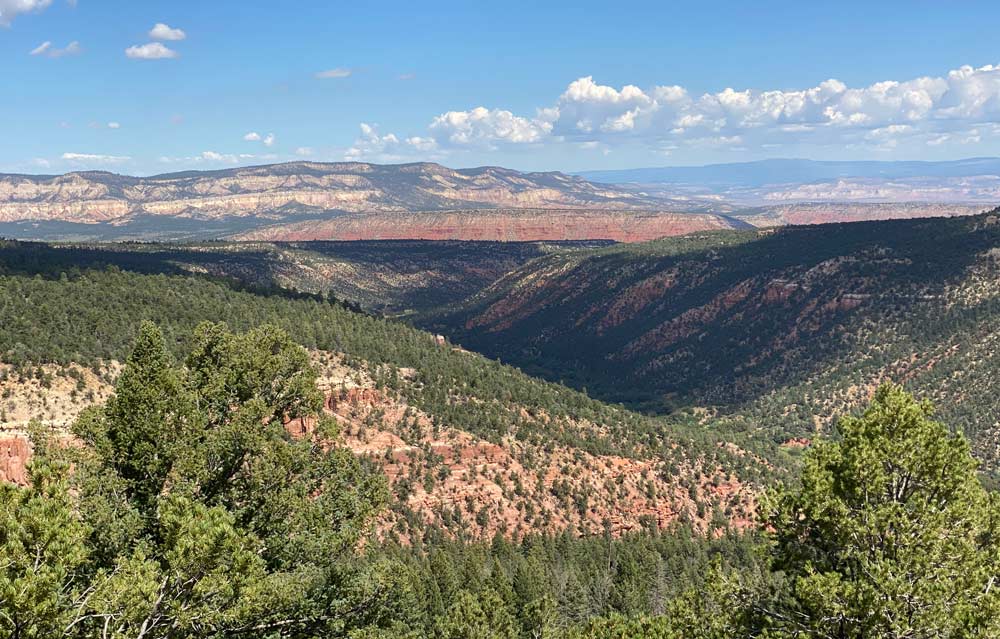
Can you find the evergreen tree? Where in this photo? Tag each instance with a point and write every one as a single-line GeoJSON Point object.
{"type": "Point", "coordinates": [890, 534]}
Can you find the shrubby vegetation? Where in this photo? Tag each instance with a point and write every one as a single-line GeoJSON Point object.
{"type": "Point", "coordinates": [186, 509]}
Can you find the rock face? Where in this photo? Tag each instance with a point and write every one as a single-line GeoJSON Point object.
{"type": "Point", "coordinates": [446, 474]}
{"type": "Point", "coordinates": [15, 449]}
{"type": "Point", "coordinates": [247, 198]}
{"type": "Point", "coordinates": [505, 225]}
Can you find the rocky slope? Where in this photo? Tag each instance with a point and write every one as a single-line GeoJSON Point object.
{"type": "Point", "coordinates": [832, 212]}
{"type": "Point", "coordinates": [442, 476]}
{"type": "Point", "coordinates": [470, 446]}
{"type": "Point", "coordinates": [277, 190]}
{"type": "Point", "coordinates": [505, 225]}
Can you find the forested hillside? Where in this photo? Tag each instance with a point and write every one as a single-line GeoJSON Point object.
{"type": "Point", "coordinates": [472, 447]}
{"type": "Point", "coordinates": [774, 329]}
{"type": "Point", "coordinates": [385, 276]}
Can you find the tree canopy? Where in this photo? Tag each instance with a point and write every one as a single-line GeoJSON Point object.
{"type": "Point", "coordinates": [190, 511]}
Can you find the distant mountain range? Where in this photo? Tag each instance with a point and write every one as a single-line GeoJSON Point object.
{"type": "Point", "coordinates": [314, 200]}
{"type": "Point", "coordinates": [971, 180]}
{"type": "Point", "coordinates": [360, 201]}
{"type": "Point", "coordinates": [784, 171]}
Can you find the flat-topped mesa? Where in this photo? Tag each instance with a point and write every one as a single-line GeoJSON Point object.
{"type": "Point", "coordinates": [92, 197]}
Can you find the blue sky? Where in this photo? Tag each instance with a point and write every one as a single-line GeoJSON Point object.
{"type": "Point", "coordinates": [532, 85]}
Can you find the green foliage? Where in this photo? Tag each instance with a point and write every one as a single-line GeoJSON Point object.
{"type": "Point", "coordinates": [42, 555]}
{"type": "Point", "coordinates": [567, 586]}
{"type": "Point", "coordinates": [891, 533]}
{"type": "Point", "coordinates": [475, 616]}
{"type": "Point", "coordinates": [191, 512]}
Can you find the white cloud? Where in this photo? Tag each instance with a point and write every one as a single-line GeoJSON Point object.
{"type": "Point", "coordinates": [114, 125]}
{"type": "Point", "coordinates": [163, 32]}
{"type": "Point", "coordinates": [10, 9]}
{"type": "Point", "coordinates": [150, 51]}
{"type": "Point", "coordinates": [339, 72]}
{"type": "Point", "coordinates": [482, 126]}
{"type": "Point", "coordinates": [267, 140]}
{"type": "Point", "coordinates": [372, 145]}
{"type": "Point", "coordinates": [924, 110]}
{"type": "Point", "coordinates": [94, 158]}
{"type": "Point", "coordinates": [46, 49]}
{"type": "Point", "coordinates": [304, 151]}
{"type": "Point", "coordinates": [214, 157]}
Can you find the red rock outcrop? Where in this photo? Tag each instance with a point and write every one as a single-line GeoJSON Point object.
{"type": "Point", "coordinates": [15, 450]}
{"type": "Point", "coordinates": [505, 225]}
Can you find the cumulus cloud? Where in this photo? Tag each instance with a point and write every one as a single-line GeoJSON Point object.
{"type": "Point", "coordinates": [925, 110]}
{"type": "Point", "coordinates": [253, 136]}
{"type": "Point", "coordinates": [482, 126]}
{"type": "Point", "coordinates": [46, 49]}
{"type": "Point", "coordinates": [10, 9]}
{"type": "Point", "coordinates": [161, 31]}
{"type": "Point", "coordinates": [150, 51]}
{"type": "Point", "coordinates": [371, 145]}
{"type": "Point", "coordinates": [329, 74]}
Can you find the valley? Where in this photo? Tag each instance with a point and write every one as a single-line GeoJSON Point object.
{"type": "Point", "coordinates": [775, 329]}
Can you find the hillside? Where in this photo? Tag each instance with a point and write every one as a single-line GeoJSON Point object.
{"type": "Point", "coordinates": [383, 277]}
{"type": "Point", "coordinates": [470, 447]}
{"type": "Point", "coordinates": [758, 326]}
{"type": "Point", "coordinates": [350, 200]}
